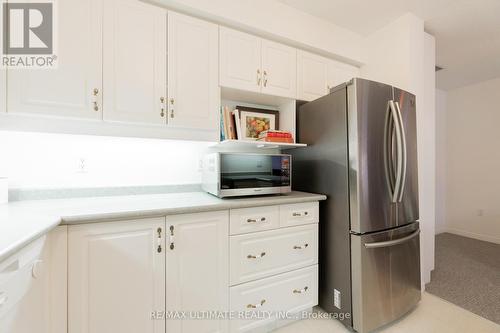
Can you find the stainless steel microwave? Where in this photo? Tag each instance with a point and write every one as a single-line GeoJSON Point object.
{"type": "Point", "coordinates": [243, 174]}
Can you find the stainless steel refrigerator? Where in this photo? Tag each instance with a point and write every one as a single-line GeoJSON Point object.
{"type": "Point", "coordinates": [362, 153]}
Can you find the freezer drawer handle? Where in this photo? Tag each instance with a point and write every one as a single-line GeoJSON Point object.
{"type": "Point", "coordinates": [392, 242]}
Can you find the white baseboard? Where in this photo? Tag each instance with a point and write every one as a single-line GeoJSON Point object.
{"type": "Point", "coordinates": [486, 238]}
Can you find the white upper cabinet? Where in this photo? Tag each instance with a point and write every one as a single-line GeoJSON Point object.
{"type": "Point", "coordinates": [339, 73]}
{"type": "Point", "coordinates": [116, 274]}
{"type": "Point", "coordinates": [240, 60]}
{"type": "Point", "coordinates": [278, 69]}
{"type": "Point", "coordinates": [193, 70]}
{"type": "Point", "coordinates": [254, 64]}
{"type": "Point", "coordinates": [135, 35]}
{"type": "Point", "coordinates": [71, 89]}
{"type": "Point", "coordinates": [197, 270]}
{"type": "Point", "coordinates": [312, 74]}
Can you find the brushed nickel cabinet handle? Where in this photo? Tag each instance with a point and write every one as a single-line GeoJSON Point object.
{"type": "Point", "coordinates": [300, 291]}
{"type": "Point", "coordinates": [255, 306]}
{"type": "Point", "coordinates": [95, 93]}
{"type": "Point", "coordinates": [265, 79]}
{"type": "Point", "coordinates": [262, 219]}
{"type": "Point", "coordinates": [297, 214]}
{"type": "Point", "coordinates": [162, 107]}
{"type": "Point", "coordinates": [250, 256]}
{"type": "Point", "coordinates": [172, 108]}
{"type": "Point", "coordinates": [259, 78]}
{"type": "Point", "coordinates": [297, 247]}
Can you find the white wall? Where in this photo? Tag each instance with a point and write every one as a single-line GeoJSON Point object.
{"type": "Point", "coordinates": [441, 152]}
{"type": "Point", "coordinates": [35, 160]}
{"type": "Point", "coordinates": [426, 132]}
{"type": "Point", "coordinates": [403, 55]}
{"type": "Point", "coordinates": [473, 161]}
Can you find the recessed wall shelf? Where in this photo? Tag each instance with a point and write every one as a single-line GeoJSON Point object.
{"type": "Point", "coordinates": [237, 144]}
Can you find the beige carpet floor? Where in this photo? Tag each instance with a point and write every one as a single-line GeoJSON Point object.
{"type": "Point", "coordinates": [467, 273]}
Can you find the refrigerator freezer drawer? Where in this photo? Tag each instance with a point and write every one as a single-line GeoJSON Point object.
{"type": "Point", "coordinates": [385, 276]}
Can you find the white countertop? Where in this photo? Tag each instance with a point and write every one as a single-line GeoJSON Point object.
{"type": "Point", "coordinates": [23, 221]}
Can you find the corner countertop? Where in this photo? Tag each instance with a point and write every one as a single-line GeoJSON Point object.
{"type": "Point", "coordinates": [24, 221]}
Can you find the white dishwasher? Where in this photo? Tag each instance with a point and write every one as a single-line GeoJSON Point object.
{"type": "Point", "coordinates": [17, 275]}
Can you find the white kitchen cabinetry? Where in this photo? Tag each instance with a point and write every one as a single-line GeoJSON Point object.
{"type": "Point", "coordinates": [275, 270]}
{"type": "Point", "coordinates": [193, 91]}
{"type": "Point", "coordinates": [33, 286]}
{"type": "Point", "coordinates": [254, 64]}
{"type": "Point", "coordinates": [261, 254]}
{"type": "Point", "coordinates": [134, 49]}
{"type": "Point", "coordinates": [240, 60]}
{"type": "Point", "coordinates": [279, 72]}
{"type": "Point", "coordinates": [339, 73]}
{"type": "Point", "coordinates": [197, 270]}
{"type": "Point", "coordinates": [74, 88]}
{"type": "Point", "coordinates": [290, 292]}
{"type": "Point", "coordinates": [312, 76]}
{"type": "Point", "coordinates": [116, 273]}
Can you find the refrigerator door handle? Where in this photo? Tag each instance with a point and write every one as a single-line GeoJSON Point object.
{"type": "Point", "coordinates": [399, 153]}
{"type": "Point", "coordinates": [392, 242]}
{"type": "Point", "coordinates": [404, 153]}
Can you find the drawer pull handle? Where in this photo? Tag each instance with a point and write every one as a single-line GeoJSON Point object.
{"type": "Point", "coordinates": [255, 306]}
{"type": "Point", "coordinates": [255, 257]}
{"type": "Point", "coordinates": [262, 219]}
{"type": "Point", "coordinates": [296, 247]}
{"type": "Point", "coordinates": [301, 291]}
{"type": "Point", "coordinates": [296, 214]}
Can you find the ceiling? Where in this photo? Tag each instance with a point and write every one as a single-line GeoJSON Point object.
{"type": "Point", "coordinates": [467, 31]}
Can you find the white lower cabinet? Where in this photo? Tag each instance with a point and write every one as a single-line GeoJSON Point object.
{"type": "Point", "coordinates": [277, 298]}
{"type": "Point", "coordinates": [265, 253]}
{"type": "Point", "coordinates": [116, 276]}
{"type": "Point", "coordinates": [197, 270]}
{"type": "Point", "coordinates": [178, 274]}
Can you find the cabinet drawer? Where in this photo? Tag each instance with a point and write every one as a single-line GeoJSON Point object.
{"type": "Point", "coordinates": [261, 254]}
{"type": "Point", "coordinates": [299, 213]}
{"type": "Point", "coordinates": [290, 292]}
{"type": "Point", "coordinates": [252, 219]}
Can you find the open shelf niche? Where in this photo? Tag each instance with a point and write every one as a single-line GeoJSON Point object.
{"type": "Point", "coordinates": [287, 117]}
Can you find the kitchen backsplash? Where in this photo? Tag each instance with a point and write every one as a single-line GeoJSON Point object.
{"type": "Point", "coordinates": [40, 160]}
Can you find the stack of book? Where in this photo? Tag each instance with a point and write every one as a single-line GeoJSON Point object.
{"type": "Point", "coordinates": [230, 127]}
{"type": "Point", "coordinates": [276, 136]}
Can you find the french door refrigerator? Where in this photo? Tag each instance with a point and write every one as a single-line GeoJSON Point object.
{"type": "Point", "coordinates": [362, 153]}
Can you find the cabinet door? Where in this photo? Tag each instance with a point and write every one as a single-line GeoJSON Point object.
{"type": "Point", "coordinates": [240, 60]}
{"type": "Point", "coordinates": [116, 276]}
{"type": "Point", "coordinates": [67, 90]}
{"type": "Point", "coordinates": [193, 89]}
{"type": "Point", "coordinates": [311, 76]}
{"type": "Point", "coordinates": [197, 270]}
{"type": "Point", "coordinates": [135, 35]}
{"type": "Point", "coordinates": [279, 69]}
{"type": "Point", "coordinates": [339, 73]}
